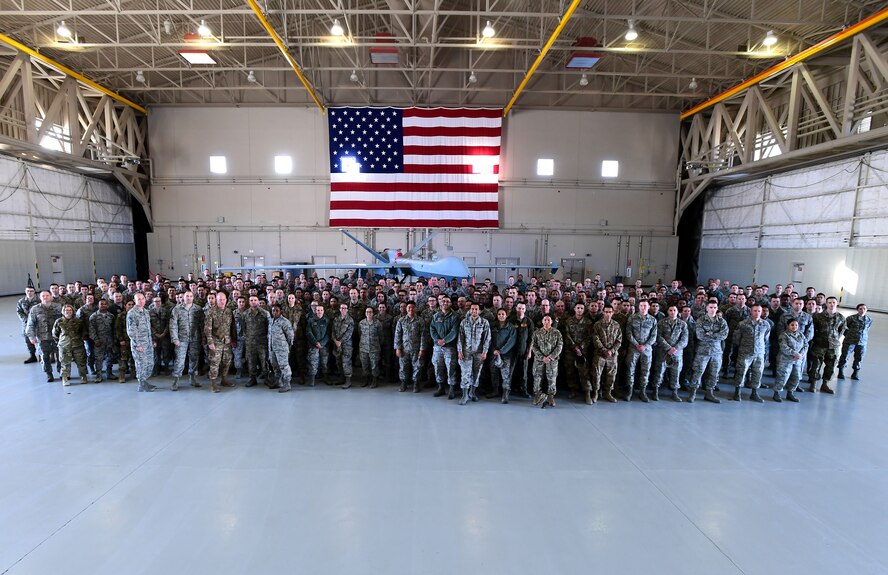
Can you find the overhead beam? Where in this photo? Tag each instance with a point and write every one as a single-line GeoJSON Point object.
{"type": "Point", "coordinates": [864, 24]}
{"type": "Point", "coordinates": [564, 20]}
{"type": "Point", "coordinates": [280, 44]}
{"type": "Point", "coordinates": [69, 72]}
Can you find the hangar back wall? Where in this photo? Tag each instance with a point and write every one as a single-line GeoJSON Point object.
{"type": "Point", "coordinates": [203, 218]}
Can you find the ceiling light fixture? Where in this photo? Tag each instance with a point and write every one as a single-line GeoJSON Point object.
{"type": "Point", "coordinates": [63, 30]}
{"type": "Point", "coordinates": [354, 76]}
{"type": "Point", "coordinates": [693, 85]}
{"type": "Point", "coordinates": [196, 56]}
{"type": "Point", "coordinates": [473, 78]}
{"type": "Point", "coordinates": [770, 39]}
{"type": "Point", "coordinates": [584, 80]}
{"type": "Point", "coordinates": [631, 33]}
{"type": "Point", "coordinates": [204, 30]}
{"type": "Point", "coordinates": [251, 77]}
{"type": "Point", "coordinates": [140, 77]}
{"type": "Point", "coordinates": [336, 29]}
{"type": "Point", "coordinates": [167, 27]}
{"type": "Point", "coordinates": [488, 31]}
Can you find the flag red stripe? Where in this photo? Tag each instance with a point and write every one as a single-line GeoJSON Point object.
{"type": "Point", "coordinates": [451, 131]}
{"type": "Point", "coordinates": [442, 169]}
{"type": "Point", "coordinates": [452, 150]}
{"type": "Point", "coordinates": [405, 223]}
{"type": "Point", "coordinates": [412, 205]}
{"type": "Point", "coordinates": [451, 113]}
{"type": "Point", "coordinates": [413, 187]}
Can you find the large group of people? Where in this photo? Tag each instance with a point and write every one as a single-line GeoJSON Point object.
{"type": "Point", "coordinates": [599, 339]}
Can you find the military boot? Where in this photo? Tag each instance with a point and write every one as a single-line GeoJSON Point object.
{"type": "Point", "coordinates": [854, 375]}
{"type": "Point", "coordinates": [109, 374]}
{"type": "Point", "coordinates": [143, 386]}
{"type": "Point", "coordinates": [550, 400]}
{"type": "Point", "coordinates": [824, 388]}
{"type": "Point", "coordinates": [754, 396]}
{"type": "Point", "coordinates": [417, 387]}
{"type": "Point", "coordinates": [465, 396]}
{"type": "Point", "coordinates": [692, 395]}
{"type": "Point", "coordinates": [656, 395]}
{"type": "Point", "coordinates": [588, 397]}
{"type": "Point", "coordinates": [403, 387]}
{"type": "Point", "coordinates": [311, 381]}
{"type": "Point", "coordinates": [609, 397]}
{"type": "Point", "coordinates": [366, 382]}
{"type": "Point", "coordinates": [192, 380]}
{"type": "Point", "coordinates": [736, 394]}
{"type": "Point", "coordinates": [537, 398]}
{"type": "Point", "coordinates": [284, 387]}
{"type": "Point", "coordinates": [675, 396]}
{"type": "Point", "coordinates": [708, 395]}
{"type": "Point", "coordinates": [121, 375]}
{"type": "Point", "coordinates": [175, 385]}
{"type": "Point", "coordinates": [98, 374]}
{"type": "Point", "coordinates": [451, 391]}
{"type": "Point", "coordinates": [213, 387]}
{"type": "Point", "coordinates": [252, 382]}
{"type": "Point", "coordinates": [505, 398]}
{"type": "Point", "coordinates": [84, 379]}
{"type": "Point", "coordinates": [65, 381]}
{"type": "Point", "coordinates": [841, 373]}
{"type": "Point", "coordinates": [790, 396]}
{"type": "Point", "coordinates": [777, 397]}
{"type": "Point", "coordinates": [375, 383]}
{"type": "Point", "coordinates": [642, 395]}
{"type": "Point", "coordinates": [628, 394]}
{"type": "Point", "coordinates": [473, 393]}
{"type": "Point", "coordinates": [347, 384]}
{"type": "Point", "coordinates": [225, 382]}
{"type": "Point", "coordinates": [31, 359]}
{"type": "Point", "coordinates": [439, 391]}
{"type": "Point", "coordinates": [812, 387]}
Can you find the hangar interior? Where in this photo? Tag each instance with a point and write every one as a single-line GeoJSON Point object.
{"type": "Point", "coordinates": [178, 136]}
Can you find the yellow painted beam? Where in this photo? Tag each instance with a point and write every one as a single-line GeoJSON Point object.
{"type": "Point", "coordinates": [873, 20]}
{"type": "Point", "coordinates": [573, 6]}
{"type": "Point", "coordinates": [69, 72]}
{"type": "Point", "coordinates": [283, 49]}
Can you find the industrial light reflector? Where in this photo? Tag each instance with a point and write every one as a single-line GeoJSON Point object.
{"type": "Point", "coordinates": [197, 56]}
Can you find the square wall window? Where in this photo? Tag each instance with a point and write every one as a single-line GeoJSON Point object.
{"type": "Point", "coordinates": [283, 164]}
{"type": "Point", "coordinates": [545, 167]}
{"type": "Point", "coordinates": [218, 165]}
{"type": "Point", "coordinates": [610, 169]}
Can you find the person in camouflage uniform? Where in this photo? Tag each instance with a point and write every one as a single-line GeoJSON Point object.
{"type": "Point", "coordinates": [577, 334]}
{"type": "Point", "coordinates": [856, 337]}
{"type": "Point", "coordinates": [238, 352]}
{"type": "Point", "coordinates": [607, 339]}
{"type": "Point", "coordinates": [641, 331]}
{"type": "Point", "coordinates": [83, 313]}
{"type": "Point", "coordinates": [317, 333]}
{"type": "Point", "coordinates": [370, 347]}
{"type": "Point", "coordinates": [141, 342]}
{"type": "Point", "coordinates": [343, 336]}
{"type": "Point", "coordinates": [547, 345]}
{"type": "Point", "coordinates": [219, 333]}
{"type": "Point", "coordinates": [712, 330]}
{"type": "Point", "coordinates": [22, 308]}
{"type": "Point", "coordinates": [427, 315]}
{"type": "Point", "coordinates": [256, 334]}
{"type": "Point", "coordinates": [280, 342]}
{"type": "Point", "coordinates": [101, 332]}
{"type": "Point", "coordinates": [160, 330]}
{"type": "Point", "coordinates": [751, 340]}
{"type": "Point", "coordinates": [672, 338]}
{"type": "Point", "coordinates": [829, 326]}
{"type": "Point", "coordinates": [472, 345]}
{"type": "Point", "coordinates": [503, 336]}
{"type": "Point", "coordinates": [524, 327]}
{"type": "Point", "coordinates": [293, 312]}
{"type": "Point", "coordinates": [41, 319]}
{"type": "Point", "coordinates": [444, 329]}
{"type": "Point", "coordinates": [186, 335]}
{"type": "Point", "coordinates": [125, 362]}
{"type": "Point", "coordinates": [68, 333]}
{"type": "Point", "coordinates": [387, 354]}
{"type": "Point", "coordinates": [733, 316]}
{"type": "Point", "coordinates": [688, 355]}
{"type": "Point", "coordinates": [409, 347]}
{"type": "Point", "coordinates": [790, 360]}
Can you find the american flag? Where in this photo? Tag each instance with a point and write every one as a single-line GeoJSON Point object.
{"type": "Point", "coordinates": [414, 167]}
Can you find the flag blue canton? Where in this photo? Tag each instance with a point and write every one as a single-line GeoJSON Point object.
{"type": "Point", "coordinates": [367, 140]}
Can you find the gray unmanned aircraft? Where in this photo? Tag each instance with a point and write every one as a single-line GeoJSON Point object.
{"type": "Point", "coordinates": [394, 263]}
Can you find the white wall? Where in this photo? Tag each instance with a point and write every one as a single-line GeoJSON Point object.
{"type": "Point", "coordinates": [203, 218]}
{"type": "Point", "coordinates": [832, 218]}
{"type": "Point", "coordinates": [86, 223]}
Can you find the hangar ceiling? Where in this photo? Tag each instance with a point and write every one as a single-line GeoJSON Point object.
{"type": "Point", "coordinates": [685, 51]}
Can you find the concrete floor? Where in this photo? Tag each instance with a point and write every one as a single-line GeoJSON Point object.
{"type": "Point", "coordinates": [99, 479]}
